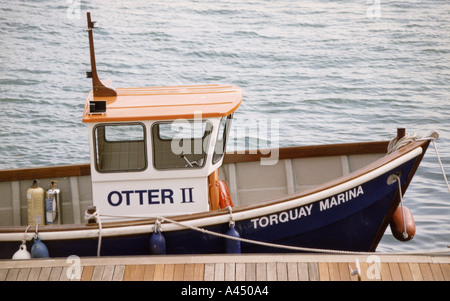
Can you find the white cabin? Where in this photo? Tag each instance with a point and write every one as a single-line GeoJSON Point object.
{"type": "Point", "coordinates": [157, 151]}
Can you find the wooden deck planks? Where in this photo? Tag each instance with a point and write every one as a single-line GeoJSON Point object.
{"type": "Point", "coordinates": [229, 268]}
{"type": "Point", "coordinates": [445, 268]}
{"type": "Point", "coordinates": [261, 271]}
{"type": "Point", "coordinates": [230, 272]}
{"type": "Point", "coordinates": [303, 272]}
{"type": "Point", "coordinates": [86, 275]}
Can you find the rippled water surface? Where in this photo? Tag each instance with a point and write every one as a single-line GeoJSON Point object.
{"type": "Point", "coordinates": [328, 71]}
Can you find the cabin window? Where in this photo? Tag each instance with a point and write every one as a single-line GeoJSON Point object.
{"type": "Point", "coordinates": [180, 144]}
{"type": "Point", "coordinates": [221, 142]}
{"type": "Point", "coordinates": [120, 147]}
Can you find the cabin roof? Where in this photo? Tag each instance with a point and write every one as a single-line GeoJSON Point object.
{"type": "Point", "coordinates": [166, 103]}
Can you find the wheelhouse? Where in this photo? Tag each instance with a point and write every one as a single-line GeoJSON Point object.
{"type": "Point", "coordinates": [155, 151]}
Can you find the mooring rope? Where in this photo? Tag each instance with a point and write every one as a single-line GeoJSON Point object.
{"type": "Point", "coordinates": [440, 163]}
{"type": "Point", "coordinates": [95, 215]}
{"type": "Point", "coordinates": [395, 144]}
{"type": "Point", "coordinates": [400, 193]}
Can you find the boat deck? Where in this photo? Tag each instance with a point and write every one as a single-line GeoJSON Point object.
{"type": "Point", "coordinates": [244, 267]}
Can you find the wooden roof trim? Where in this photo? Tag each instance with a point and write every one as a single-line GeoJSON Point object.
{"type": "Point", "coordinates": [309, 151]}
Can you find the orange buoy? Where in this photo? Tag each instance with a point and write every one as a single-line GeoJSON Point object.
{"type": "Point", "coordinates": [224, 195]}
{"type": "Point", "coordinates": [403, 226]}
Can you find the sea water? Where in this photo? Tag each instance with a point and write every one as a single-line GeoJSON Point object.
{"type": "Point", "coordinates": [325, 71]}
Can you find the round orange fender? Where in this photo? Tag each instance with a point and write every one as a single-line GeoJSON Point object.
{"type": "Point", "coordinates": [224, 195]}
{"type": "Point", "coordinates": [398, 227]}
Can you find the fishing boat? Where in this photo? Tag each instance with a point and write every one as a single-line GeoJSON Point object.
{"type": "Point", "coordinates": [160, 181]}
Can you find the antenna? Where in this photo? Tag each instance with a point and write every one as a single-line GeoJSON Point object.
{"type": "Point", "coordinates": [98, 87]}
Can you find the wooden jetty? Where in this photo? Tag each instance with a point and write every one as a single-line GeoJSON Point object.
{"type": "Point", "coordinates": [242, 267]}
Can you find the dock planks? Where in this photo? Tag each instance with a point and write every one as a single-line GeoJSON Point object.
{"type": "Point", "coordinates": [243, 267]}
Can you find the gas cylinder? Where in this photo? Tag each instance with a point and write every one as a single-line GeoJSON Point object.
{"type": "Point", "coordinates": [35, 205]}
{"type": "Point", "coordinates": [52, 197]}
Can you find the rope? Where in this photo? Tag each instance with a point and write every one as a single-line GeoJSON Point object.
{"type": "Point", "coordinates": [281, 246]}
{"type": "Point", "coordinates": [395, 144]}
{"type": "Point", "coordinates": [440, 163]}
{"type": "Point", "coordinates": [24, 240]}
{"type": "Point", "coordinates": [96, 215]}
{"type": "Point", "coordinates": [405, 234]}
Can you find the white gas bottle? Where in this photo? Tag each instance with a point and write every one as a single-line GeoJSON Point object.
{"type": "Point", "coordinates": [52, 204]}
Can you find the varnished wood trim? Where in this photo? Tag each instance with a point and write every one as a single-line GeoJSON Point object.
{"type": "Point", "coordinates": [45, 172]}
{"type": "Point", "coordinates": [310, 151]}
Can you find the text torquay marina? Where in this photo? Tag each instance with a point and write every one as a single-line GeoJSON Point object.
{"type": "Point", "coordinates": [306, 210]}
